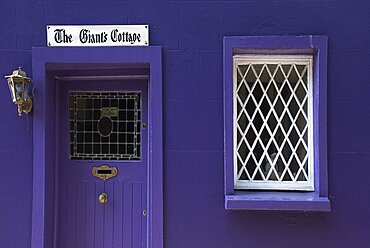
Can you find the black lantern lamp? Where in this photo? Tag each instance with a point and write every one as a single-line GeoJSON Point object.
{"type": "Point", "coordinates": [19, 87]}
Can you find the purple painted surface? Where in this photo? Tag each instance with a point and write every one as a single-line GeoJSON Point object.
{"type": "Point", "coordinates": [316, 46]}
{"type": "Point", "coordinates": [291, 201]}
{"type": "Point", "coordinates": [106, 62]}
{"type": "Point", "coordinates": [80, 217]}
{"type": "Point", "coordinates": [194, 210]}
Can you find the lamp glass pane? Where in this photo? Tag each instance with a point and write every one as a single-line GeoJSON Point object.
{"type": "Point", "coordinates": [11, 89]}
{"type": "Point", "coordinates": [18, 90]}
{"type": "Point", "coordinates": [25, 90]}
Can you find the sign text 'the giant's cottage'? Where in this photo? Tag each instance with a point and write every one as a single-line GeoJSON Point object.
{"type": "Point", "coordinates": [99, 35]}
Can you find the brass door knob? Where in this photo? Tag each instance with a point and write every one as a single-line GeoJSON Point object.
{"type": "Point", "coordinates": [103, 198]}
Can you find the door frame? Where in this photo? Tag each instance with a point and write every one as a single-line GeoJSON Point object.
{"type": "Point", "coordinates": [45, 63]}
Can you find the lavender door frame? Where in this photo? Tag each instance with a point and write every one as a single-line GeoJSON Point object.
{"type": "Point", "coordinates": [44, 141]}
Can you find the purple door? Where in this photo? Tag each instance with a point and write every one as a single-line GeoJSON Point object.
{"type": "Point", "coordinates": [102, 123]}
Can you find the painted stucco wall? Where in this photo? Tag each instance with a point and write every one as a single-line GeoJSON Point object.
{"type": "Point", "coordinates": [191, 34]}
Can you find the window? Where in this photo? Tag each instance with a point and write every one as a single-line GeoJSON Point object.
{"type": "Point", "coordinates": [105, 125]}
{"type": "Point", "coordinates": [275, 151]}
{"type": "Point", "coordinates": [273, 122]}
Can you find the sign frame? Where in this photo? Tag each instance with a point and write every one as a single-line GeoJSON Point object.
{"type": "Point", "coordinates": [97, 35]}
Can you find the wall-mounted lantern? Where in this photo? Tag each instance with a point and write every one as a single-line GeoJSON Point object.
{"type": "Point", "coordinates": [19, 87]}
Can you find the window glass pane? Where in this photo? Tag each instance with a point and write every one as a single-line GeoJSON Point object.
{"type": "Point", "coordinates": [105, 125]}
{"type": "Point", "coordinates": [272, 129]}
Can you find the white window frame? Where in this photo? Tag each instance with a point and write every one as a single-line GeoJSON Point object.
{"type": "Point", "coordinates": [266, 184]}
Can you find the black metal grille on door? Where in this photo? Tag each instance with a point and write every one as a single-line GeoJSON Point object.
{"type": "Point", "coordinates": [105, 125]}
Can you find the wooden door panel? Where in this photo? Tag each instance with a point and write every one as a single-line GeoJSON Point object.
{"type": "Point", "coordinates": [83, 221]}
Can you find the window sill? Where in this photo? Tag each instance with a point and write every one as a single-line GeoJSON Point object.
{"type": "Point", "coordinates": [281, 201]}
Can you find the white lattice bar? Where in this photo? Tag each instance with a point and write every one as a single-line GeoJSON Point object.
{"type": "Point", "coordinates": [273, 137]}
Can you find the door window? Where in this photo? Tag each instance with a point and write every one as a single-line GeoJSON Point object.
{"type": "Point", "coordinates": [105, 125]}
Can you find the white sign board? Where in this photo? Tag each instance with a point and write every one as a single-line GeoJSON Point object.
{"type": "Point", "coordinates": [99, 35]}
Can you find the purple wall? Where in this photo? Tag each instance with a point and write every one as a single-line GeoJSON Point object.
{"type": "Point", "coordinates": [191, 34]}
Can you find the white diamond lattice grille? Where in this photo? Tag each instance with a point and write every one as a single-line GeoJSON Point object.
{"type": "Point", "coordinates": [272, 122]}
